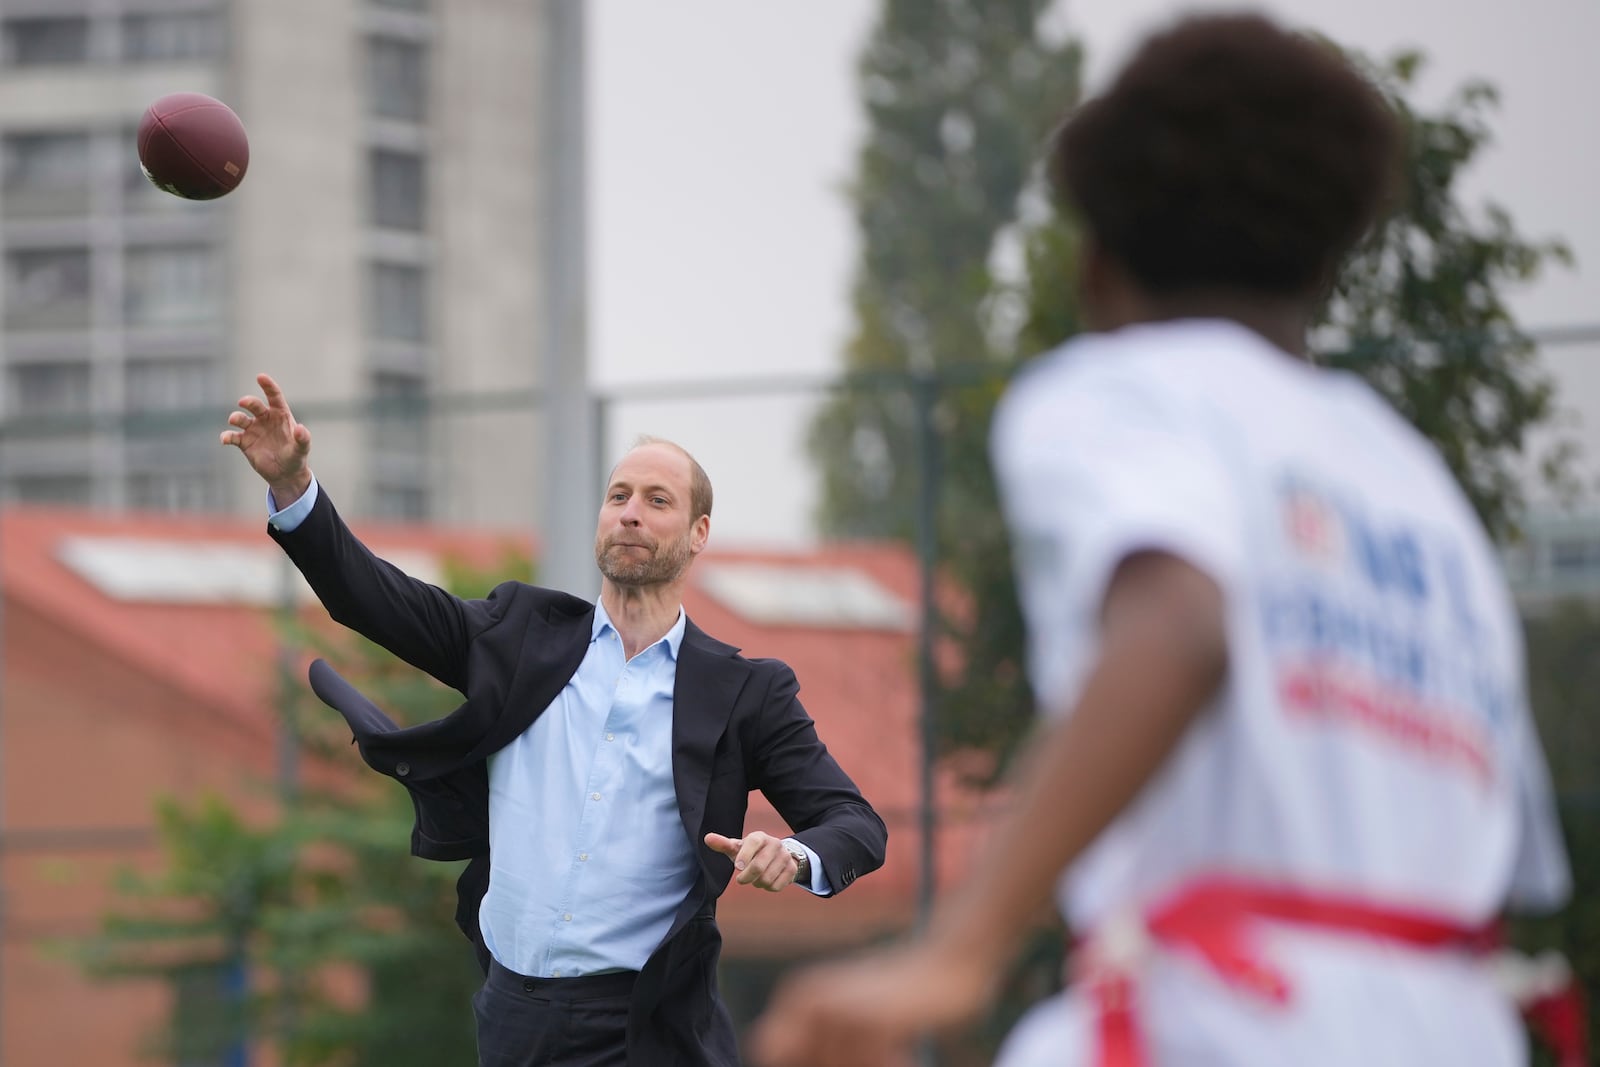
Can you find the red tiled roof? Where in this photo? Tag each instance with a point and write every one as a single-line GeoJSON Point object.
{"type": "Point", "coordinates": [223, 656]}
{"type": "Point", "coordinates": [859, 684]}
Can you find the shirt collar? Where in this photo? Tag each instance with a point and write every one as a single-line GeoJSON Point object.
{"type": "Point", "coordinates": [673, 637]}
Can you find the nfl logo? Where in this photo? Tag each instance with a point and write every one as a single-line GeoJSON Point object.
{"type": "Point", "coordinates": [1312, 524]}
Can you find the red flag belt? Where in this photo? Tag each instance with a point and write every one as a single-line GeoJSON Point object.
{"type": "Point", "coordinates": [1215, 920]}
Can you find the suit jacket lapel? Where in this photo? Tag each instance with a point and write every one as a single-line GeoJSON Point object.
{"type": "Point", "coordinates": [708, 682]}
{"type": "Point", "coordinates": [547, 659]}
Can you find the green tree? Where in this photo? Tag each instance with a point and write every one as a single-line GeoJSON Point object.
{"type": "Point", "coordinates": [1420, 312]}
{"type": "Point", "coordinates": [959, 97]}
{"type": "Point", "coordinates": [940, 187]}
{"type": "Point", "coordinates": [1563, 676]}
{"type": "Point", "coordinates": [318, 932]}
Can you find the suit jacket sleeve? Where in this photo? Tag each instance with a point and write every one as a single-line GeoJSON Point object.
{"type": "Point", "coordinates": [795, 771]}
{"type": "Point", "coordinates": [424, 625]}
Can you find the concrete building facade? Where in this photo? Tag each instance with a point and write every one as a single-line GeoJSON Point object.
{"type": "Point", "coordinates": [379, 258]}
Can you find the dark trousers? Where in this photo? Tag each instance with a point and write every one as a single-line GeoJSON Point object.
{"type": "Point", "coordinates": [552, 1022]}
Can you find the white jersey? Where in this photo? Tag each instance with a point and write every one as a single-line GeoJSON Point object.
{"type": "Point", "coordinates": [1372, 737]}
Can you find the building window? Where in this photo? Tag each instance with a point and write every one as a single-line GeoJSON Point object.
{"type": "Point", "coordinates": [73, 489]}
{"type": "Point", "coordinates": [398, 302]}
{"type": "Point", "coordinates": [47, 289]}
{"type": "Point", "coordinates": [397, 82]}
{"type": "Point", "coordinates": [169, 385]}
{"type": "Point", "coordinates": [396, 181]}
{"type": "Point", "coordinates": [176, 285]}
{"type": "Point", "coordinates": [45, 174]}
{"type": "Point", "coordinates": [34, 42]}
{"type": "Point", "coordinates": [400, 425]}
{"type": "Point", "coordinates": [404, 503]}
{"type": "Point", "coordinates": [48, 389]}
{"type": "Point", "coordinates": [1572, 557]}
{"type": "Point", "coordinates": [172, 36]}
{"type": "Point", "coordinates": [172, 491]}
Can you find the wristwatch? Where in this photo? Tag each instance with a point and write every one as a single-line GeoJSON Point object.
{"type": "Point", "coordinates": [803, 869]}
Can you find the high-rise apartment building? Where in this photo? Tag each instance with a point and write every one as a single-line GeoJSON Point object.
{"type": "Point", "coordinates": [380, 253]}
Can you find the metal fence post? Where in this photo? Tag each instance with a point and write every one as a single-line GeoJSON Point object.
{"type": "Point", "coordinates": [569, 464]}
{"type": "Point", "coordinates": [925, 397]}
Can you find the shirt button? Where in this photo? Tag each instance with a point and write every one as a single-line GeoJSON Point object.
{"type": "Point", "coordinates": [583, 857]}
{"type": "Point", "coordinates": [611, 737]}
{"type": "Point", "coordinates": [555, 974]}
{"type": "Point", "coordinates": [567, 917]}
{"type": "Point", "coordinates": [594, 796]}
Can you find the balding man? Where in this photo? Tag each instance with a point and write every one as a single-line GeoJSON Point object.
{"type": "Point", "coordinates": [597, 775]}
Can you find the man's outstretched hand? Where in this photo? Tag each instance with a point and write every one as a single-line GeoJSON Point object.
{"type": "Point", "coordinates": [273, 443]}
{"type": "Point", "coordinates": [869, 1011]}
{"type": "Point", "coordinates": [759, 858]}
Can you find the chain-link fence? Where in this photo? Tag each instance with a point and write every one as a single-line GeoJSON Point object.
{"type": "Point", "coordinates": [148, 650]}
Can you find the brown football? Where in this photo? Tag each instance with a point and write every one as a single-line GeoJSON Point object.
{"type": "Point", "coordinates": [193, 146]}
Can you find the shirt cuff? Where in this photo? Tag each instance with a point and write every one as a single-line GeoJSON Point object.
{"type": "Point", "coordinates": [819, 884]}
{"type": "Point", "coordinates": [284, 520]}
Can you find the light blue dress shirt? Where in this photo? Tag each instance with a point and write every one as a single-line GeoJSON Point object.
{"type": "Point", "coordinates": [589, 860]}
{"type": "Point", "coordinates": [588, 857]}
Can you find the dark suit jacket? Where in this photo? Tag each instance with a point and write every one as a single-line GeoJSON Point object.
{"type": "Point", "coordinates": [737, 725]}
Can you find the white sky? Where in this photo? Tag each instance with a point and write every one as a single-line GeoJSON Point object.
{"type": "Point", "coordinates": [723, 137]}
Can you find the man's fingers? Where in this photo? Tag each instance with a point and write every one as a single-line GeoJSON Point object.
{"type": "Point", "coordinates": [768, 871]}
{"type": "Point", "coordinates": [780, 881]}
{"type": "Point", "coordinates": [748, 851]}
{"type": "Point", "coordinates": [768, 864]}
{"type": "Point", "coordinates": [728, 846]}
{"type": "Point", "coordinates": [783, 1037]}
{"type": "Point", "coordinates": [270, 390]}
{"type": "Point", "coordinates": [804, 1026]}
{"type": "Point", "coordinates": [760, 859]}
